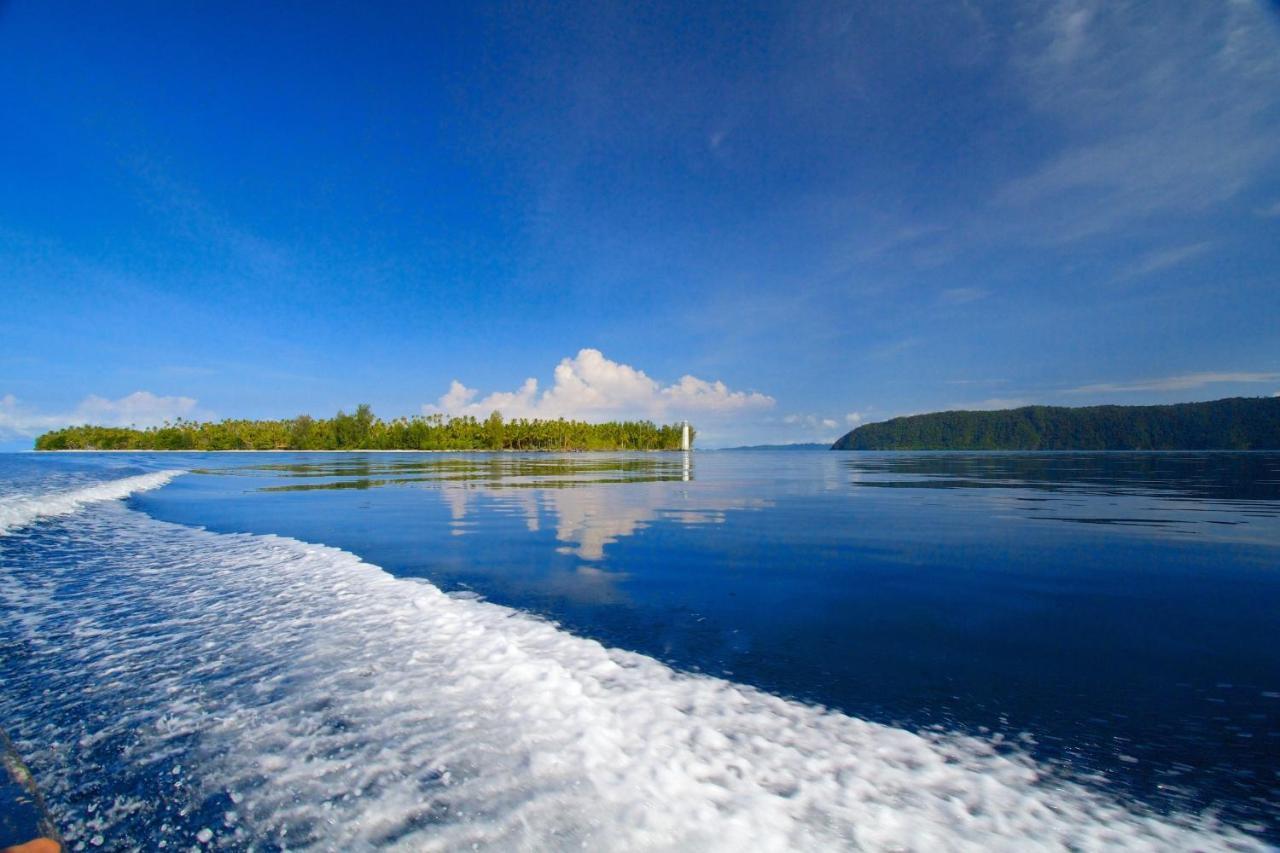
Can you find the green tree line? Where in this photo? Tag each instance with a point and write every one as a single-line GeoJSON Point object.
{"type": "Point", "coordinates": [363, 430]}
{"type": "Point", "coordinates": [1237, 423]}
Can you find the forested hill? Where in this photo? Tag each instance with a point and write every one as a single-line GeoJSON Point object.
{"type": "Point", "coordinates": [365, 431]}
{"type": "Point", "coordinates": [1238, 423]}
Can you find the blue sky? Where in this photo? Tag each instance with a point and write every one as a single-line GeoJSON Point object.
{"type": "Point", "coordinates": [778, 220]}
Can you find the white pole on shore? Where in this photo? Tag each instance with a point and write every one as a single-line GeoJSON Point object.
{"type": "Point", "coordinates": [684, 446]}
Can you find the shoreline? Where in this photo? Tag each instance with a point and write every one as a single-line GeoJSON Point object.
{"type": "Point", "coordinates": [407, 450]}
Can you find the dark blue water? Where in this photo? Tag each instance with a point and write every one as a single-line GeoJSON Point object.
{"type": "Point", "coordinates": [1115, 615]}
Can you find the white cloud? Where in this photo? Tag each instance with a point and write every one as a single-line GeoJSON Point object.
{"type": "Point", "coordinates": [816, 426]}
{"type": "Point", "coordinates": [961, 295]}
{"type": "Point", "coordinates": [853, 418]}
{"type": "Point", "coordinates": [895, 348]}
{"type": "Point", "coordinates": [1005, 403]}
{"type": "Point", "coordinates": [1163, 259]}
{"type": "Point", "coordinates": [141, 408]}
{"type": "Point", "coordinates": [458, 396]}
{"type": "Point", "coordinates": [976, 381]}
{"type": "Point", "coordinates": [1173, 383]}
{"type": "Point", "coordinates": [693, 394]}
{"type": "Point", "coordinates": [991, 404]}
{"type": "Point", "coordinates": [590, 385]}
{"type": "Point", "coordinates": [1165, 109]}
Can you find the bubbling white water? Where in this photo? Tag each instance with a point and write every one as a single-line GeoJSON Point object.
{"type": "Point", "coordinates": [299, 697]}
{"type": "Point", "coordinates": [17, 511]}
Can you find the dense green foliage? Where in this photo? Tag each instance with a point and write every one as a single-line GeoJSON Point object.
{"type": "Point", "coordinates": [1238, 423]}
{"type": "Point", "coordinates": [364, 431]}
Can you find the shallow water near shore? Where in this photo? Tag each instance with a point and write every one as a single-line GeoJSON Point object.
{"type": "Point", "coordinates": [648, 650]}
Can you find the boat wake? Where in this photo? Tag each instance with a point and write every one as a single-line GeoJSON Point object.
{"type": "Point", "coordinates": [17, 511]}
{"type": "Point", "coordinates": [172, 684]}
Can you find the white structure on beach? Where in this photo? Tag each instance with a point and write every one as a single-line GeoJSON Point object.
{"type": "Point", "coordinates": [684, 436]}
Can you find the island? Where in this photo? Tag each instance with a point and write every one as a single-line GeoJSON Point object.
{"type": "Point", "coordinates": [363, 430]}
{"type": "Point", "coordinates": [1236, 423]}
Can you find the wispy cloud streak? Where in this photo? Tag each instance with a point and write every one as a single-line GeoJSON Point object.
{"type": "Point", "coordinates": [1164, 259]}
{"type": "Point", "coordinates": [1173, 383]}
{"type": "Point", "coordinates": [1138, 93]}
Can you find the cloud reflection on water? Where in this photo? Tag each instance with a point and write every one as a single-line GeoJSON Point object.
{"type": "Point", "coordinates": [575, 495]}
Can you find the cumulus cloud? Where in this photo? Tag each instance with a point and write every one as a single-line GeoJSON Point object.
{"type": "Point", "coordinates": [1173, 383]}
{"type": "Point", "coordinates": [141, 408]}
{"type": "Point", "coordinates": [589, 385]}
{"type": "Point", "coordinates": [853, 418]}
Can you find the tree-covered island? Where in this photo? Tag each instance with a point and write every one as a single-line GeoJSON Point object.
{"type": "Point", "coordinates": [1237, 423]}
{"type": "Point", "coordinates": [365, 431]}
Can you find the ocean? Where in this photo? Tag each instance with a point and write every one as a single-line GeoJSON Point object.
{"type": "Point", "coordinates": [658, 651]}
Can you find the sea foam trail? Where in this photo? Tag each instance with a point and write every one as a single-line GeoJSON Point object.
{"type": "Point", "coordinates": [246, 691]}
{"type": "Point", "coordinates": [20, 510]}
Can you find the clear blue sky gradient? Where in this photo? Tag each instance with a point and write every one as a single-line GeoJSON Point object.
{"type": "Point", "coordinates": [872, 208]}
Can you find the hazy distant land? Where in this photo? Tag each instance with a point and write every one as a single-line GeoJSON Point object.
{"type": "Point", "coordinates": [1237, 423]}
{"type": "Point", "coordinates": [808, 445]}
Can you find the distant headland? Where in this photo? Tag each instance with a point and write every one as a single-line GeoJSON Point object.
{"type": "Point", "coordinates": [804, 445]}
{"type": "Point", "coordinates": [365, 431]}
{"type": "Point", "coordinates": [1236, 423]}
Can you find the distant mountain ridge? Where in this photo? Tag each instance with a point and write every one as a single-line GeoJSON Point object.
{"type": "Point", "coordinates": [806, 445]}
{"type": "Point", "coordinates": [1236, 423]}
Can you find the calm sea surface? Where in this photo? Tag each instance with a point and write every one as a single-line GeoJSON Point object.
{"type": "Point", "coordinates": [791, 649]}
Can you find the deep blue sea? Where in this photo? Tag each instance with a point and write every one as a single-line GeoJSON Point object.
{"type": "Point", "coordinates": [715, 651]}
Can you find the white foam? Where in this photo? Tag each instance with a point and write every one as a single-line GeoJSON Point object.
{"type": "Point", "coordinates": [338, 707]}
{"type": "Point", "coordinates": [18, 511]}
